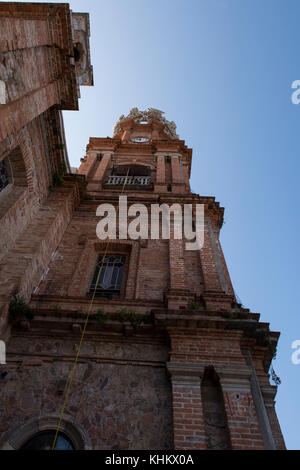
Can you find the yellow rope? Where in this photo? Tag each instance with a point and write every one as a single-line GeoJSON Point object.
{"type": "Point", "coordinates": [83, 332]}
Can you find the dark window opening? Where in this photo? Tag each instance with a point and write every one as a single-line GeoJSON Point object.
{"type": "Point", "coordinates": [45, 440]}
{"type": "Point", "coordinates": [214, 414]}
{"type": "Point", "coordinates": [77, 52]}
{"type": "Point", "coordinates": [4, 174]}
{"type": "Point", "coordinates": [131, 170]}
{"type": "Point", "coordinates": [133, 175]}
{"type": "Point", "coordinates": [110, 279]}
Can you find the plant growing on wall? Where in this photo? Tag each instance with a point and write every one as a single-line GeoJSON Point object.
{"type": "Point", "coordinates": [193, 305]}
{"type": "Point", "coordinates": [101, 317]}
{"type": "Point", "coordinates": [58, 179]}
{"type": "Point", "coordinates": [19, 310]}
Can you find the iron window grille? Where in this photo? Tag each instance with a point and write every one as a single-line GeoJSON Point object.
{"type": "Point", "coordinates": [110, 279]}
{"type": "Point", "coordinates": [130, 180]}
{"type": "Point", "coordinates": [132, 174]}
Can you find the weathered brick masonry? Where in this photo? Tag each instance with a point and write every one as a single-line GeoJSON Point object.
{"type": "Point", "coordinates": [39, 77]}
{"type": "Point", "coordinates": [170, 359]}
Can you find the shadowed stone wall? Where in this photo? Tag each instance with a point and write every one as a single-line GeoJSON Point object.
{"type": "Point", "coordinates": [123, 402]}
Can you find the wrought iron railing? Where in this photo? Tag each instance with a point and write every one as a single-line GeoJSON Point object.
{"type": "Point", "coordinates": [130, 180]}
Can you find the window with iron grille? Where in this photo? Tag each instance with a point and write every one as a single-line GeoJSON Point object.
{"type": "Point", "coordinates": [4, 175]}
{"type": "Point", "coordinates": [111, 275]}
{"type": "Point", "coordinates": [131, 174]}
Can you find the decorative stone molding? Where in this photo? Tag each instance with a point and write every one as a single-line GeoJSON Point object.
{"type": "Point", "coordinates": [20, 435]}
{"type": "Point", "coordinates": [185, 374]}
{"type": "Point", "coordinates": [269, 394]}
{"type": "Point", "coordinates": [234, 379]}
{"type": "Point", "coordinates": [231, 379]}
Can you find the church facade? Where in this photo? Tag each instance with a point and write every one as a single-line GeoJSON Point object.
{"type": "Point", "coordinates": [163, 355]}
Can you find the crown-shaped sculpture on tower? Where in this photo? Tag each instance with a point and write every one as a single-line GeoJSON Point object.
{"type": "Point", "coordinates": [147, 117]}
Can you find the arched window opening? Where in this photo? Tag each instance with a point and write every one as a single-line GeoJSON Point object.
{"type": "Point", "coordinates": [12, 170]}
{"type": "Point", "coordinates": [215, 421]}
{"type": "Point", "coordinates": [45, 440]}
{"type": "Point", "coordinates": [133, 175]}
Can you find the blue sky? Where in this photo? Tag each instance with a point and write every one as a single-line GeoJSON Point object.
{"type": "Point", "coordinates": [222, 70]}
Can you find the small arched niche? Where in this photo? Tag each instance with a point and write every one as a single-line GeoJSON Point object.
{"type": "Point", "coordinates": [215, 421]}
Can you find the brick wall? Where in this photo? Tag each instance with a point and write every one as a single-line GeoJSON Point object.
{"type": "Point", "coordinates": [192, 351]}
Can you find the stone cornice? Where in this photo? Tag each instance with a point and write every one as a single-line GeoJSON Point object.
{"type": "Point", "coordinates": [200, 325]}
{"type": "Point", "coordinates": [256, 334]}
{"type": "Point", "coordinates": [103, 143]}
{"type": "Point", "coordinates": [235, 378]}
{"type": "Point", "coordinates": [185, 374]}
{"type": "Point", "coordinates": [269, 393]}
{"type": "Point", "coordinates": [60, 328]}
{"type": "Point", "coordinates": [213, 210]}
{"type": "Point", "coordinates": [151, 148]}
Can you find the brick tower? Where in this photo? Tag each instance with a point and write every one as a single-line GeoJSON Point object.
{"type": "Point", "coordinates": [170, 360]}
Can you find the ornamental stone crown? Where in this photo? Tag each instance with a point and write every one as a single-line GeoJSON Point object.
{"type": "Point", "coordinates": [146, 116]}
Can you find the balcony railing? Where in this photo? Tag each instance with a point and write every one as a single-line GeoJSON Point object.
{"type": "Point", "coordinates": [130, 180]}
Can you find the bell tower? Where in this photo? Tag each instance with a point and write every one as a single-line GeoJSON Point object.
{"type": "Point", "coordinates": [220, 353]}
{"type": "Point", "coordinates": [141, 138]}
{"type": "Point", "coordinates": [146, 152]}
{"type": "Point", "coordinates": [170, 359]}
